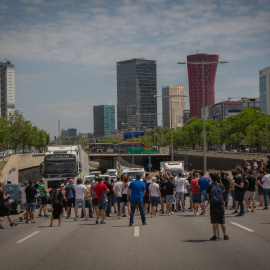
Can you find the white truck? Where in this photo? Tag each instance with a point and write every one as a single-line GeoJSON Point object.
{"type": "Point", "coordinates": [133, 172]}
{"type": "Point", "coordinates": [62, 162]}
{"type": "Point", "coordinates": [174, 167]}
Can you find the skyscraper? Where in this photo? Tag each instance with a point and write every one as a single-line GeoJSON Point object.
{"type": "Point", "coordinates": [173, 105]}
{"type": "Point", "coordinates": [264, 85]}
{"type": "Point", "coordinates": [136, 86]}
{"type": "Point", "coordinates": [7, 88]}
{"type": "Point", "coordinates": [195, 78]}
{"type": "Point", "coordinates": [104, 120]}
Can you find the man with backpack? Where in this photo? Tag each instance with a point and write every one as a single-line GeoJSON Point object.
{"type": "Point", "coordinates": [217, 211]}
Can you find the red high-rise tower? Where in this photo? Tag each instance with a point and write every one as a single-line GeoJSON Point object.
{"type": "Point", "coordinates": [195, 79]}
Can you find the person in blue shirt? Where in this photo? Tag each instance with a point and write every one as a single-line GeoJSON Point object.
{"type": "Point", "coordinates": [203, 184]}
{"type": "Point", "coordinates": [136, 191]}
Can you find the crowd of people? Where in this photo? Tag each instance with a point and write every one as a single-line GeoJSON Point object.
{"type": "Point", "coordinates": [123, 197]}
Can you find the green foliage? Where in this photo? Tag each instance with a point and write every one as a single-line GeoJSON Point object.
{"type": "Point", "coordinates": [4, 136]}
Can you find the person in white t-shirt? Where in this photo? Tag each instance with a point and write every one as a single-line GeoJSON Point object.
{"type": "Point", "coordinates": [118, 193]}
{"type": "Point", "coordinates": [181, 185]}
{"type": "Point", "coordinates": [80, 193]}
{"type": "Point", "coordinates": [23, 200]}
{"type": "Point", "coordinates": [266, 188]}
{"type": "Point", "coordinates": [154, 196]}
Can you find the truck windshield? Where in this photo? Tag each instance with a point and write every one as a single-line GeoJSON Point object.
{"type": "Point", "coordinates": [55, 164]}
{"type": "Point", "coordinates": [133, 174]}
{"type": "Point", "coordinates": [112, 173]}
{"type": "Point", "coordinates": [175, 172]}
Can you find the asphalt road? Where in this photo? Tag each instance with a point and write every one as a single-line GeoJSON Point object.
{"type": "Point", "coordinates": [166, 242]}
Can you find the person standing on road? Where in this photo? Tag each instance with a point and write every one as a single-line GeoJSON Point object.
{"type": "Point", "coordinates": [181, 185]}
{"type": "Point", "coordinates": [250, 193]}
{"type": "Point", "coordinates": [136, 191]}
{"type": "Point", "coordinates": [4, 210]}
{"type": "Point", "coordinates": [118, 193]}
{"type": "Point", "coordinates": [88, 200]}
{"type": "Point", "coordinates": [102, 205]}
{"type": "Point", "coordinates": [154, 196]}
{"type": "Point", "coordinates": [30, 202]}
{"type": "Point", "coordinates": [266, 187]}
{"type": "Point", "coordinates": [239, 192]}
{"type": "Point", "coordinates": [163, 181]}
{"type": "Point", "coordinates": [110, 195]}
{"type": "Point", "coordinates": [217, 211]}
{"type": "Point", "coordinates": [23, 201]}
{"type": "Point", "coordinates": [80, 193]}
{"type": "Point", "coordinates": [195, 193]}
{"type": "Point", "coordinates": [94, 195]}
{"type": "Point", "coordinates": [43, 196]}
{"type": "Point", "coordinates": [260, 186]}
{"type": "Point", "coordinates": [57, 199]}
{"type": "Point", "coordinates": [70, 196]}
{"type": "Point", "coordinates": [203, 184]}
{"type": "Point", "coordinates": [225, 181]}
{"type": "Point", "coordinates": [124, 200]}
{"type": "Point", "coordinates": [170, 188]}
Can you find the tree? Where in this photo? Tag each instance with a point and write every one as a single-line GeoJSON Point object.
{"type": "Point", "coordinates": [4, 132]}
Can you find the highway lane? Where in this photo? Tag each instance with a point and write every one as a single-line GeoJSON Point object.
{"type": "Point", "coordinates": [177, 241]}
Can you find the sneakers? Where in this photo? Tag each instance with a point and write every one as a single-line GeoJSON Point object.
{"type": "Point", "coordinates": [226, 237]}
{"type": "Point", "coordinates": [265, 208]}
{"type": "Point", "coordinates": [130, 224]}
{"type": "Point", "coordinates": [213, 238]}
{"type": "Point", "coordinates": [86, 219]}
{"type": "Point", "coordinates": [252, 211]}
{"type": "Point", "coordinates": [13, 224]}
{"type": "Point", "coordinates": [1, 227]}
{"type": "Point", "coordinates": [46, 215]}
{"type": "Point", "coordinates": [63, 216]}
{"type": "Point", "coordinates": [240, 215]}
{"type": "Point", "coordinates": [102, 222]}
{"type": "Point", "coordinates": [144, 223]}
{"type": "Point", "coordinates": [75, 219]}
{"type": "Point", "coordinates": [247, 211]}
{"type": "Point", "coordinates": [96, 221]}
{"type": "Point", "coordinates": [91, 216]}
{"type": "Point", "coordinates": [202, 214]}
{"type": "Point", "coordinates": [40, 215]}
{"type": "Point", "coordinates": [235, 212]}
{"type": "Point", "coordinates": [232, 208]}
{"type": "Point", "coordinates": [20, 219]}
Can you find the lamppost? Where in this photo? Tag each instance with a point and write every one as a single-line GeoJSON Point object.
{"type": "Point", "coordinates": [170, 102]}
{"type": "Point", "coordinates": [204, 132]}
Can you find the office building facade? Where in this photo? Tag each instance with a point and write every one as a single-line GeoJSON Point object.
{"type": "Point", "coordinates": [186, 116]}
{"type": "Point", "coordinates": [264, 86]}
{"type": "Point", "coordinates": [7, 88]}
{"type": "Point", "coordinates": [136, 88]}
{"type": "Point", "coordinates": [196, 76]}
{"type": "Point", "coordinates": [173, 105]}
{"type": "Point", "coordinates": [104, 120]}
{"type": "Point", "coordinates": [72, 132]}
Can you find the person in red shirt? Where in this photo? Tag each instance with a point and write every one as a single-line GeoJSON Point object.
{"type": "Point", "coordinates": [195, 193]}
{"type": "Point", "coordinates": [100, 187]}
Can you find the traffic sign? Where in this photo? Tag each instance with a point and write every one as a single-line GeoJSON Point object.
{"type": "Point", "coordinates": [149, 165]}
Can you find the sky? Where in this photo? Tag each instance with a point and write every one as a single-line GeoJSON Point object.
{"type": "Point", "coordinates": [65, 51]}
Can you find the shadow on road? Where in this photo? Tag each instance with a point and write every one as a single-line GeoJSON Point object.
{"type": "Point", "coordinates": [195, 241]}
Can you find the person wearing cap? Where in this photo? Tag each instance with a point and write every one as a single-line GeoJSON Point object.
{"type": "Point", "coordinates": [154, 196]}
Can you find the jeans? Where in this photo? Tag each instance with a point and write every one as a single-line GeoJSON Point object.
{"type": "Point", "coordinates": [266, 191]}
{"type": "Point", "coordinates": [239, 196]}
{"type": "Point", "coordinates": [233, 198]}
{"type": "Point", "coordinates": [133, 207]}
{"type": "Point", "coordinates": [225, 198]}
{"type": "Point", "coordinates": [110, 201]}
{"type": "Point", "coordinates": [88, 204]}
{"type": "Point", "coordinates": [118, 200]}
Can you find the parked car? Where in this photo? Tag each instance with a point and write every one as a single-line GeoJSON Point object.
{"type": "Point", "coordinates": [14, 202]}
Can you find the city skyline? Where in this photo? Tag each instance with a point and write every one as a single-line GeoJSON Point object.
{"type": "Point", "coordinates": [64, 53]}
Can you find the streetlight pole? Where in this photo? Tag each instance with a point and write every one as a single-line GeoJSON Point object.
{"type": "Point", "coordinates": [149, 141]}
{"type": "Point", "coordinates": [204, 129]}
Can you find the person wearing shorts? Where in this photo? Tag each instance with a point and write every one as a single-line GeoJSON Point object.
{"type": "Point", "coordinates": [217, 210]}
{"type": "Point", "coordinates": [43, 196]}
{"type": "Point", "coordinates": [170, 188]}
{"type": "Point", "coordinates": [250, 193]}
{"type": "Point", "coordinates": [80, 193]}
{"type": "Point", "coordinates": [195, 193]}
{"type": "Point", "coordinates": [30, 206]}
{"type": "Point", "coordinates": [124, 200]}
{"type": "Point", "coordinates": [94, 195]}
{"type": "Point", "coordinates": [154, 196]}
{"type": "Point", "coordinates": [69, 196]}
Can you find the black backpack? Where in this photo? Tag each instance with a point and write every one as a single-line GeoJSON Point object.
{"type": "Point", "coordinates": [216, 196]}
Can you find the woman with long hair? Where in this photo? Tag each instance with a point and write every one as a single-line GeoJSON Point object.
{"type": "Point", "coordinates": [57, 196]}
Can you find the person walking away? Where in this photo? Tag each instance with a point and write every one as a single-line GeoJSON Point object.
{"type": "Point", "coordinates": [163, 181]}
{"type": "Point", "coordinates": [118, 193]}
{"type": "Point", "coordinates": [146, 195]}
{"type": "Point", "coordinates": [189, 178]}
{"type": "Point", "coordinates": [110, 195]}
{"type": "Point", "coordinates": [181, 186]}
{"type": "Point", "coordinates": [70, 196]}
{"type": "Point", "coordinates": [217, 211]}
{"type": "Point", "coordinates": [136, 192]}
{"type": "Point", "coordinates": [250, 193]}
{"type": "Point", "coordinates": [80, 192]}
{"type": "Point", "coordinates": [57, 203]}
{"type": "Point", "coordinates": [154, 196]}
{"type": "Point", "coordinates": [239, 193]}
{"type": "Point", "coordinates": [266, 187]}
{"type": "Point", "coordinates": [203, 184]}
{"type": "Point", "coordinates": [225, 182]}
{"type": "Point", "coordinates": [124, 200]}
{"type": "Point", "coordinates": [260, 186]}
{"type": "Point", "coordinates": [30, 192]}
{"type": "Point", "coordinates": [94, 195]}
{"type": "Point", "coordinates": [23, 201]}
{"type": "Point", "coordinates": [195, 193]}
{"type": "Point", "coordinates": [232, 190]}
{"type": "Point", "coordinates": [88, 200]}
{"type": "Point", "coordinates": [4, 210]}
{"type": "Point", "coordinates": [43, 196]}
{"type": "Point", "coordinates": [169, 188]}
{"type": "Point", "coordinates": [102, 205]}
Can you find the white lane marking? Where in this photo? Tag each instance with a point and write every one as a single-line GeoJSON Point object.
{"type": "Point", "coordinates": [136, 232]}
{"type": "Point", "coordinates": [25, 238]}
{"type": "Point", "coordinates": [243, 227]}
